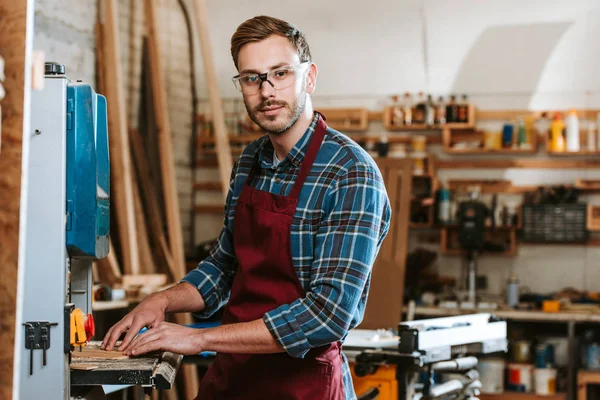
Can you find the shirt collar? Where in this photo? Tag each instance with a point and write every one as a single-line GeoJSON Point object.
{"type": "Point", "coordinates": [296, 154]}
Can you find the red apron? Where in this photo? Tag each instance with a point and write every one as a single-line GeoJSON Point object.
{"type": "Point", "coordinates": [266, 279]}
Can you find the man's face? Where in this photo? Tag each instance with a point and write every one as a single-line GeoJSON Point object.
{"type": "Point", "coordinates": [274, 110]}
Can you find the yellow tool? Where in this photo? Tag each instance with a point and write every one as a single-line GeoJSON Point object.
{"type": "Point", "coordinates": [383, 378]}
{"type": "Point", "coordinates": [82, 328]}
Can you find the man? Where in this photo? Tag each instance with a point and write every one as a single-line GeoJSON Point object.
{"type": "Point", "coordinates": [305, 216]}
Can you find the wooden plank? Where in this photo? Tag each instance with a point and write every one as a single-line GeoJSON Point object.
{"type": "Point", "coordinates": [108, 267]}
{"type": "Point", "coordinates": [147, 265]}
{"type": "Point", "coordinates": [15, 48]}
{"type": "Point", "coordinates": [100, 81]}
{"type": "Point", "coordinates": [510, 115]}
{"type": "Point", "coordinates": [517, 163]}
{"type": "Point", "coordinates": [207, 186]}
{"type": "Point", "coordinates": [150, 203]}
{"type": "Point", "coordinates": [387, 281]}
{"type": "Point", "coordinates": [121, 174]}
{"type": "Point", "coordinates": [88, 352]}
{"type": "Point", "coordinates": [347, 119]}
{"type": "Point", "coordinates": [210, 77]}
{"type": "Point", "coordinates": [209, 209]}
{"type": "Point", "coordinates": [159, 92]}
{"type": "Point", "coordinates": [84, 367]}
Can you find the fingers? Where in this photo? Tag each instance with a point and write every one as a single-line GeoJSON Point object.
{"type": "Point", "coordinates": [147, 348]}
{"type": "Point", "coordinates": [136, 325]}
{"type": "Point", "coordinates": [115, 332]}
{"type": "Point", "coordinates": [143, 338]}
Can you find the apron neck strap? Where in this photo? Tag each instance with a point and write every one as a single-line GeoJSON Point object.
{"type": "Point", "coordinates": [310, 156]}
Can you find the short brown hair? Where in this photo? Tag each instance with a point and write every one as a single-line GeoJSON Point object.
{"type": "Point", "coordinates": [261, 27]}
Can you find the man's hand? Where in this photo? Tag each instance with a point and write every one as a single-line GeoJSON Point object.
{"type": "Point", "coordinates": [167, 337]}
{"type": "Point", "coordinates": [149, 313]}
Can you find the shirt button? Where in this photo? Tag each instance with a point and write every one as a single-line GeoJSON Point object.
{"type": "Point", "coordinates": [296, 162]}
{"type": "Point", "coordinates": [277, 180]}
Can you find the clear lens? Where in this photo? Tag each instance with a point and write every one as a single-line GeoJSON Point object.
{"type": "Point", "coordinates": [280, 78]}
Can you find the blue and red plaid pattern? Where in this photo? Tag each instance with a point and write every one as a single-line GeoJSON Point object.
{"type": "Point", "coordinates": [342, 217]}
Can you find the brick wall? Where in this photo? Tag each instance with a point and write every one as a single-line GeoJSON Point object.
{"type": "Point", "coordinates": [64, 30]}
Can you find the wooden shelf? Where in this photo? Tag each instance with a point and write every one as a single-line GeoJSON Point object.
{"type": "Point", "coordinates": [581, 153]}
{"type": "Point", "coordinates": [490, 185]}
{"type": "Point", "coordinates": [516, 163]}
{"type": "Point", "coordinates": [209, 209]}
{"type": "Point", "coordinates": [387, 123]}
{"type": "Point", "coordinates": [452, 150]}
{"type": "Point", "coordinates": [508, 115]}
{"type": "Point", "coordinates": [346, 119]}
{"type": "Point", "coordinates": [588, 185]}
{"type": "Point", "coordinates": [453, 251]}
{"type": "Point", "coordinates": [593, 218]}
{"type": "Point", "coordinates": [208, 186]}
{"type": "Point", "coordinates": [451, 136]}
{"type": "Point", "coordinates": [431, 139]}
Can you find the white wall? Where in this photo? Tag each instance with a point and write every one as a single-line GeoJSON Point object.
{"type": "Point", "coordinates": [506, 54]}
{"type": "Point", "coordinates": [510, 54]}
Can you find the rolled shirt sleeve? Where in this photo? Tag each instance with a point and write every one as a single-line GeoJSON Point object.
{"type": "Point", "coordinates": [214, 275]}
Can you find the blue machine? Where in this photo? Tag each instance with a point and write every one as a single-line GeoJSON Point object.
{"type": "Point", "coordinates": [66, 214]}
{"type": "Point", "coordinates": [88, 173]}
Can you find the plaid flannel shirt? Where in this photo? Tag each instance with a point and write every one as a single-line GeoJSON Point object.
{"type": "Point", "coordinates": [342, 217]}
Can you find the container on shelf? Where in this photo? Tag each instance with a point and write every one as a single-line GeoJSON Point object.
{"type": "Point", "coordinates": [521, 351]}
{"type": "Point", "coordinates": [557, 139]}
{"type": "Point", "coordinates": [572, 132]}
{"type": "Point", "coordinates": [491, 375]}
{"type": "Point", "coordinates": [492, 140]}
{"type": "Point", "coordinates": [520, 377]}
{"type": "Point", "coordinates": [418, 143]}
{"type": "Point", "coordinates": [545, 380]}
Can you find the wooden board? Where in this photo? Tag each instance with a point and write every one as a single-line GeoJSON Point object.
{"type": "Point", "coordinates": [210, 77]}
{"type": "Point", "coordinates": [84, 367]}
{"type": "Point", "coordinates": [384, 308]}
{"type": "Point", "coordinates": [517, 163]}
{"type": "Point", "coordinates": [108, 267]}
{"type": "Point", "coordinates": [15, 47]}
{"type": "Point", "coordinates": [93, 352]}
{"type": "Point", "coordinates": [120, 160]}
{"type": "Point", "coordinates": [189, 372]}
{"type": "Point", "coordinates": [150, 204]}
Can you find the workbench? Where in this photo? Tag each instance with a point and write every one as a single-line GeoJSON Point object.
{"type": "Point", "coordinates": [569, 318]}
{"type": "Point", "coordinates": [151, 370]}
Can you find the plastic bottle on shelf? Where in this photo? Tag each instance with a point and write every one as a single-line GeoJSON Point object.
{"type": "Point", "coordinates": [419, 109]}
{"type": "Point", "coordinates": [440, 111]}
{"type": "Point", "coordinates": [407, 109]}
{"type": "Point", "coordinates": [557, 138]}
{"type": "Point", "coordinates": [572, 131]}
{"type": "Point", "coordinates": [591, 137]}
{"type": "Point", "coordinates": [397, 117]}
{"type": "Point", "coordinates": [451, 110]}
{"type": "Point", "coordinates": [429, 111]}
{"type": "Point", "coordinates": [444, 206]}
{"type": "Point", "coordinates": [521, 133]}
{"type": "Point", "coordinates": [463, 110]}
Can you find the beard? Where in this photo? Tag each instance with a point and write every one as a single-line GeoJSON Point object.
{"type": "Point", "coordinates": [278, 124]}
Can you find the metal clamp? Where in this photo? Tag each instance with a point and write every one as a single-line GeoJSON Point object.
{"type": "Point", "coordinates": [37, 336]}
